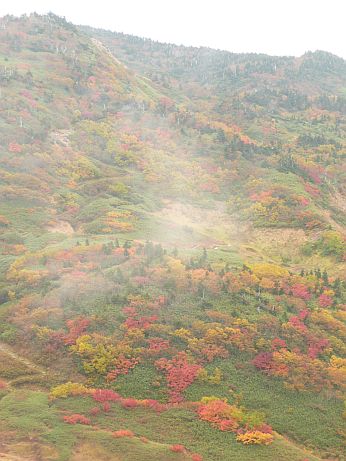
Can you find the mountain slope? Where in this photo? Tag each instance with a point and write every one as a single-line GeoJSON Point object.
{"type": "Point", "coordinates": [171, 249]}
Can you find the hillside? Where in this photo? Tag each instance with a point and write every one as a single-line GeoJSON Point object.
{"type": "Point", "coordinates": [172, 249]}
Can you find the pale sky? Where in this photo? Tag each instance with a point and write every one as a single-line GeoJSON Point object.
{"type": "Point", "coordinates": [276, 27]}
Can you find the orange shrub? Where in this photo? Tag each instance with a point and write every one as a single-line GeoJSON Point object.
{"type": "Point", "coordinates": [77, 419]}
{"type": "Point", "coordinates": [95, 411]}
{"type": "Point", "coordinates": [196, 457]}
{"type": "Point", "coordinates": [123, 433]}
{"type": "Point", "coordinates": [144, 439]}
{"type": "Point", "coordinates": [178, 448]}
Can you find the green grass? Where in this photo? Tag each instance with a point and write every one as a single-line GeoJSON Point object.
{"type": "Point", "coordinates": [28, 412]}
{"type": "Point", "coordinates": [308, 418]}
{"type": "Point", "coordinates": [304, 418]}
{"type": "Point", "coordinates": [139, 384]}
{"type": "Point", "coordinates": [178, 426]}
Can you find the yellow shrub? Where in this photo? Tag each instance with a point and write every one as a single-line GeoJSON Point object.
{"type": "Point", "coordinates": [68, 389]}
{"type": "Point", "coordinates": [255, 438]}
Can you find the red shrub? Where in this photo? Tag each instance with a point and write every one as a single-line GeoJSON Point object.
{"type": "Point", "coordinates": [105, 395]}
{"type": "Point", "coordinates": [263, 361]}
{"type": "Point", "coordinates": [106, 407]}
{"type": "Point", "coordinates": [157, 345]}
{"type": "Point", "coordinates": [196, 457]}
{"type": "Point", "coordinates": [14, 147]}
{"type": "Point", "coordinates": [76, 327]}
{"type": "Point", "coordinates": [303, 314]}
{"type": "Point", "coordinates": [227, 425]}
{"type": "Point", "coordinates": [154, 405]}
{"type": "Point", "coordinates": [77, 419]}
{"type": "Point", "coordinates": [95, 411]}
{"type": "Point", "coordinates": [301, 291]}
{"type": "Point", "coordinates": [122, 367]}
{"type": "Point", "coordinates": [129, 403]}
{"type": "Point", "coordinates": [317, 346]}
{"type": "Point", "coordinates": [221, 414]}
{"type": "Point", "coordinates": [312, 190]}
{"type": "Point", "coordinates": [325, 300]}
{"type": "Point", "coordinates": [265, 428]}
{"type": "Point", "coordinates": [278, 343]}
{"type": "Point", "coordinates": [179, 374]}
{"type": "Point", "coordinates": [178, 448]}
{"type": "Point", "coordinates": [142, 322]}
{"type": "Point", "coordinates": [298, 324]}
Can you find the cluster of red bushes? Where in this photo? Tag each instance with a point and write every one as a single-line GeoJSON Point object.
{"type": "Point", "coordinates": [180, 373]}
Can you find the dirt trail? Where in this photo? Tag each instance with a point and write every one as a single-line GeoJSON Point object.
{"type": "Point", "coordinates": [5, 349]}
{"type": "Point", "coordinates": [9, 457]}
{"type": "Point", "coordinates": [298, 446]}
{"type": "Point", "coordinates": [104, 49]}
{"type": "Point", "coordinates": [338, 200]}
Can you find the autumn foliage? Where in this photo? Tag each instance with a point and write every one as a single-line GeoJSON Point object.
{"type": "Point", "coordinates": [179, 372]}
{"type": "Point", "coordinates": [123, 433]}
{"type": "Point", "coordinates": [77, 419]}
{"type": "Point", "coordinates": [230, 418]}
